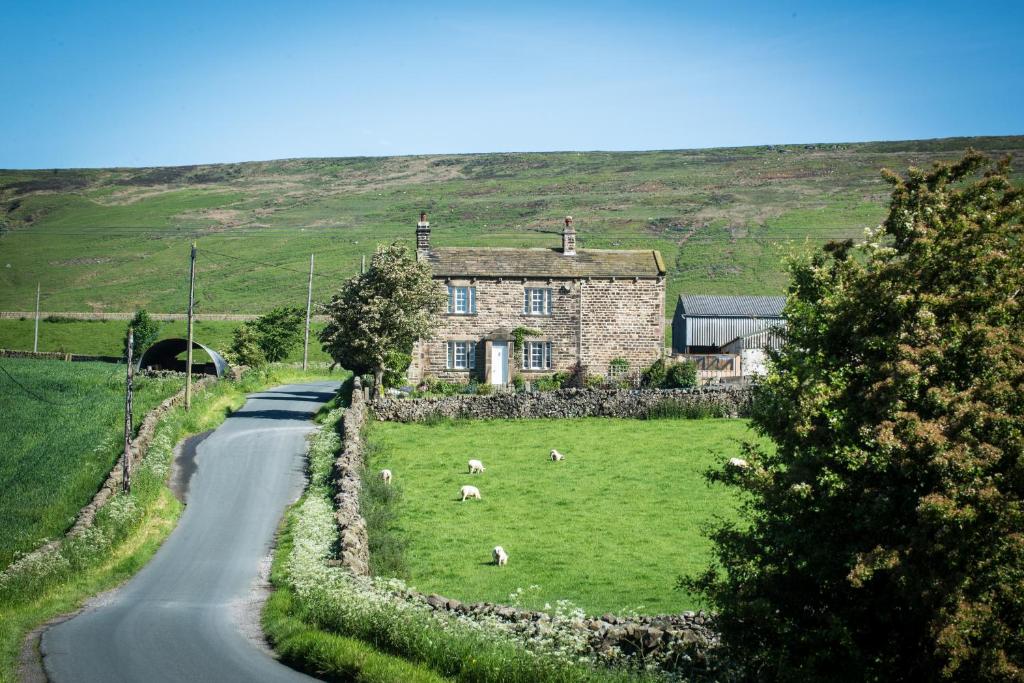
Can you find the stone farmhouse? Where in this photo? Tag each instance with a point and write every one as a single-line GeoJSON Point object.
{"type": "Point", "coordinates": [587, 306]}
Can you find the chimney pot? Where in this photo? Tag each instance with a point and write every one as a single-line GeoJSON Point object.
{"type": "Point", "coordinates": [423, 233]}
{"type": "Point", "coordinates": [569, 238]}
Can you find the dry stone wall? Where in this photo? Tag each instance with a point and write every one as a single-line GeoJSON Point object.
{"type": "Point", "coordinates": [564, 403]}
{"type": "Point", "coordinates": [353, 545]}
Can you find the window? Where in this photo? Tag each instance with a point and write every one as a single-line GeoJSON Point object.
{"type": "Point", "coordinates": [537, 301]}
{"type": "Point", "coordinates": [536, 355]}
{"type": "Point", "coordinates": [461, 355]}
{"type": "Point", "coordinates": [462, 300]}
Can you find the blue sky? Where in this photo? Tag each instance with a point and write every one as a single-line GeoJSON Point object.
{"type": "Point", "coordinates": [134, 84]}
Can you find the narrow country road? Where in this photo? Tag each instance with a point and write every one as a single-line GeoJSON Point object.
{"type": "Point", "coordinates": [182, 617]}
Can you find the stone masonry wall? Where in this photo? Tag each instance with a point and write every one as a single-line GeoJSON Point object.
{"type": "Point", "coordinates": [353, 545]}
{"type": "Point", "coordinates": [564, 403]}
{"type": "Point", "coordinates": [620, 318]}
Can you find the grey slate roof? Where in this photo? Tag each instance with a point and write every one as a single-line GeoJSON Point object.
{"type": "Point", "coordinates": [542, 263]}
{"type": "Point", "coordinates": [731, 306]}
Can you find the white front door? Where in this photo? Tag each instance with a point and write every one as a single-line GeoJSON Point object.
{"type": "Point", "coordinates": [499, 362]}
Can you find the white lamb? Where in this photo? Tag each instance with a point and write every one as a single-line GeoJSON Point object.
{"type": "Point", "coordinates": [475, 466]}
{"type": "Point", "coordinates": [556, 456]}
{"type": "Point", "coordinates": [500, 556]}
{"type": "Point", "coordinates": [385, 476]}
{"type": "Point", "coordinates": [738, 463]}
{"type": "Point", "coordinates": [470, 492]}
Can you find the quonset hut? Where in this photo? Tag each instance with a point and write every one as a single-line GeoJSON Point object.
{"type": "Point", "coordinates": [163, 355]}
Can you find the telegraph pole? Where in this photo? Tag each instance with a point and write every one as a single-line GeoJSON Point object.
{"type": "Point", "coordinates": [35, 343]}
{"type": "Point", "coordinates": [126, 467]}
{"type": "Point", "coordinates": [191, 305]}
{"type": "Point", "coordinates": [309, 306]}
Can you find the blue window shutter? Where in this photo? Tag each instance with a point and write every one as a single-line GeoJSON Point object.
{"type": "Point", "coordinates": [472, 299]}
{"type": "Point", "coordinates": [547, 355]}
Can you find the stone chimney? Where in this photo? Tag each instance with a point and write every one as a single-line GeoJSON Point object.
{"type": "Point", "coordinates": [569, 238]}
{"type": "Point", "coordinates": [423, 233]}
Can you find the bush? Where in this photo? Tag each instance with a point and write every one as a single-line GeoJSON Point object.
{"type": "Point", "coordinates": [548, 383]}
{"type": "Point", "coordinates": [444, 388]}
{"type": "Point", "coordinates": [594, 381]}
{"type": "Point", "coordinates": [245, 348]}
{"type": "Point", "coordinates": [681, 375]}
{"type": "Point", "coordinates": [144, 330]}
{"type": "Point", "coordinates": [654, 376]}
{"type": "Point", "coordinates": [675, 409]}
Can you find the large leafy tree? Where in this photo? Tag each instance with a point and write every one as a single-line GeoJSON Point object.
{"type": "Point", "coordinates": [882, 538]}
{"type": "Point", "coordinates": [378, 315]}
{"type": "Point", "coordinates": [269, 338]}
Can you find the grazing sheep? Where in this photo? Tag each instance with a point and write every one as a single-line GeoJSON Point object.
{"type": "Point", "coordinates": [385, 476]}
{"type": "Point", "coordinates": [469, 492]}
{"type": "Point", "coordinates": [556, 456]}
{"type": "Point", "coordinates": [738, 463]}
{"type": "Point", "coordinates": [475, 466]}
{"type": "Point", "coordinates": [500, 556]}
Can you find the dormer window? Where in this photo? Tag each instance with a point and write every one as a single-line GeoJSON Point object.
{"type": "Point", "coordinates": [537, 301]}
{"type": "Point", "coordinates": [461, 300]}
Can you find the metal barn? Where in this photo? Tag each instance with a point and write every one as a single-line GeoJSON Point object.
{"type": "Point", "coordinates": [705, 324]}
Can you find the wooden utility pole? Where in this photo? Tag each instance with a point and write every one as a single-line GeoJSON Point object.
{"type": "Point", "coordinates": [35, 343]}
{"type": "Point", "coordinates": [126, 467]}
{"type": "Point", "coordinates": [362, 264]}
{"type": "Point", "coordinates": [309, 307]}
{"type": "Point", "coordinates": [191, 305]}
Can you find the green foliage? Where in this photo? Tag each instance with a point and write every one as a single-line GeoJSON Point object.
{"type": "Point", "coordinates": [378, 503]}
{"type": "Point", "coordinates": [681, 375]}
{"type": "Point", "coordinates": [547, 382]}
{"type": "Point", "coordinates": [594, 560]}
{"type": "Point", "coordinates": [145, 331]}
{"type": "Point", "coordinates": [520, 334]}
{"type": "Point", "coordinates": [395, 366]}
{"type": "Point", "coordinates": [594, 381]}
{"type": "Point", "coordinates": [444, 388]}
{"type": "Point", "coordinates": [882, 539]}
{"type": "Point", "coordinates": [687, 410]}
{"type": "Point", "coordinates": [382, 312]}
{"type": "Point", "coordinates": [245, 347]}
{"type": "Point", "coordinates": [653, 377]}
{"type": "Point", "coordinates": [279, 331]}
{"type": "Point", "coordinates": [618, 368]}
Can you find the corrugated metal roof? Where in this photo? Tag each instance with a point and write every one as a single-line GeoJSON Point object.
{"type": "Point", "coordinates": [731, 306]}
{"type": "Point", "coordinates": [543, 263]}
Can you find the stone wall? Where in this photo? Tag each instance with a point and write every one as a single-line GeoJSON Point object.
{"type": "Point", "coordinates": [140, 444]}
{"type": "Point", "coordinates": [593, 321]}
{"type": "Point", "coordinates": [564, 403]}
{"type": "Point", "coordinates": [353, 546]}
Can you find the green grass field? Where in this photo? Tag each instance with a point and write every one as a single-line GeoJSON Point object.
{"type": "Point", "coordinates": [106, 337]}
{"type": "Point", "coordinates": [610, 528]}
{"type": "Point", "coordinates": [118, 239]}
{"type": "Point", "coordinates": [56, 452]}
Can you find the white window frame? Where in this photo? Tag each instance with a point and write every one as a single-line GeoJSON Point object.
{"type": "Point", "coordinates": [537, 300]}
{"type": "Point", "coordinates": [536, 355]}
{"type": "Point", "coordinates": [461, 354]}
{"type": "Point", "coordinates": [467, 305]}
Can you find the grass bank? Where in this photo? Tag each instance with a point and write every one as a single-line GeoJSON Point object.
{"type": "Point", "coordinates": [322, 618]}
{"type": "Point", "coordinates": [128, 529]}
{"type": "Point", "coordinates": [609, 528]}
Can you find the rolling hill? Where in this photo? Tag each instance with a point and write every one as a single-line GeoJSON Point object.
{"type": "Point", "coordinates": [118, 239]}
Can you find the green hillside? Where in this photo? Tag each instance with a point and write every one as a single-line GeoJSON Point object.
{"type": "Point", "coordinates": [117, 239]}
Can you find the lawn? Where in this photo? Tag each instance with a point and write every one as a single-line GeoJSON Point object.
{"type": "Point", "coordinates": [610, 528]}
{"type": "Point", "coordinates": [62, 434]}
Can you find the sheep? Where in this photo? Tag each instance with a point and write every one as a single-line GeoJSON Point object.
{"type": "Point", "coordinates": [469, 492]}
{"type": "Point", "coordinates": [385, 476]}
{"type": "Point", "coordinates": [738, 463]}
{"type": "Point", "coordinates": [556, 456]}
{"type": "Point", "coordinates": [500, 556]}
{"type": "Point", "coordinates": [475, 466]}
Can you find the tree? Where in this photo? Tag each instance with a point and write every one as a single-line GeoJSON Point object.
{"type": "Point", "coordinates": [882, 538]}
{"type": "Point", "coordinates": [269, 338]}
{"type": "Point", "coordinates": [145, 331]}
{"type": "Point", "coordinates": [377, 316]}
{"type": "Point", "coordinates": [681, 375]}
{"type": "Point", "coordinates": [279, 331]}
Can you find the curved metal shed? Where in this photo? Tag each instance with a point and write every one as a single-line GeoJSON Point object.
{"type": "Point", "coordinates": [163, 355]}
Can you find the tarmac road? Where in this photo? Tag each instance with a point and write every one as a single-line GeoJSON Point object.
{"type": "Point", "coordinates": [182, 617]}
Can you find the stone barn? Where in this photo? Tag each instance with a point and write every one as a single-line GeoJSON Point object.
{"type": "Point", "coordinates": [590, 306]}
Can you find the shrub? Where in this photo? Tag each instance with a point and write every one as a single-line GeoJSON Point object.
{"type": "Point", "coordinates": [688, 410]}
{"type": "Point", "coordinates": [681, 375]}
{"type": "Point", "coordinates": [594, 381]}
{"type": "Point", "coordinates": [548, 383]}
{"type": "Point", "coordinates": [245, 348]}
{"type": "Point", "coordinates": [144, 330]}
{"type": "Point", "coordinates": [654, 376]}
